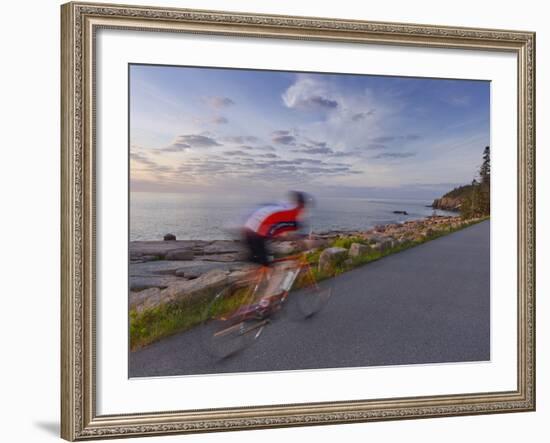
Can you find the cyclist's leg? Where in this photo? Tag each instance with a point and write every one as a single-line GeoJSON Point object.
{"type": "Point", "coordinates": [257, 248]}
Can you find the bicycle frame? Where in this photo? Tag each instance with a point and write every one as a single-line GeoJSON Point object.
{"type": "Point", "coordinates": [301, 263]}
{"type": "Point", "coordinates": [259, 302]}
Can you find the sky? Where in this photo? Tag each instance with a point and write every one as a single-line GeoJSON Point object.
{"type": "Point", "coordinates": [208, 130]}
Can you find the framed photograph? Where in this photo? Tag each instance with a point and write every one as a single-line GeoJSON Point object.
{"type": "Point", "coordinates": [282, 221]}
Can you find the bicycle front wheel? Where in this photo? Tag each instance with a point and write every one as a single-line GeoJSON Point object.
{"type": "Point", "coordinates": [229, 323]}
{"type": "Point", "coordinates": [312, 299]}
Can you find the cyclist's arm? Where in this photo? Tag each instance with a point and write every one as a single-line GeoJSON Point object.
{"type": "Point", "coordinates": [300, 233]}
{"type": "Point", "coordinates": [298, 237]}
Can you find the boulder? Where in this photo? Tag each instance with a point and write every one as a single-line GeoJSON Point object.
{"type": "Point", "coordinates": [180, 254]}
{"type": "Point", "coordinates": [138, 249]}
{"type": "Point", "coordinates": [154, 268]}
{"type": "Point", "coordinates": [146, 299]}
{"type": "Point", "coordinates": [383, 245]}
{"type": "Point", "coordinates": [224, 258]}
{"type": "Point", "coordinates": [316, 243]}
{"type": "Point", "coordinates": [205, 286]}
{"type": "Point", "coordinates": [141, 282]}
{"type": "Point", "coordinates": [153, 274]}
{"type": "Point", "coordinates": [331, 257]}
{"type": "Point", "coordinates": [374, 238]}
{"type": "Point", "coordinates": [391, 242]}
{"type": "Point", "coordinates": [169, 237]}
{"type": "Point", "coordinates": [327, 235]}
{"type": "Point", "coordinates": [222, 247]}
{"type": "Point", "coordinates": [358, 249]}
{"type": "Point", "coordinates": [194, 269]}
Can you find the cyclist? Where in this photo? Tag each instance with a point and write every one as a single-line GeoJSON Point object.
{"type": "Point", "coordinates": [273, 222]}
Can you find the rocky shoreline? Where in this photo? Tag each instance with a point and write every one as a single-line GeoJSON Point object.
{"type": "Point", "coordinates": [161, 272]}
{"type": "Point", "coordinates": [447, 203]}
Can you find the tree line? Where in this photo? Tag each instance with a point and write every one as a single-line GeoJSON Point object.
{"type": "Point", "coordinates": [477, 198]}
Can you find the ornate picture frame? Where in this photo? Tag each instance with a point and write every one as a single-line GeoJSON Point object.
{"type": "Point", "coordinates": [80, 22]}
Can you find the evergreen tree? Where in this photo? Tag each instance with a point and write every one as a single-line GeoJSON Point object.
{"type": "Point", "coordinates": [485, 170]}
{"type": "Point", "coordinates": [477, 198]}
{"type": "Point", "coordinates": [485, 186]}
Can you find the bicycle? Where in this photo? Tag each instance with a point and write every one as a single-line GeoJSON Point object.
{"type": "Point", "coordinates": [237, 315]}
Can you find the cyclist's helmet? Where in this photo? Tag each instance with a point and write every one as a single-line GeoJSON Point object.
{"type": "Point", "coordinates": [301, 198]}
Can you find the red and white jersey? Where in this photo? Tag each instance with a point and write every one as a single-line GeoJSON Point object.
{"type": "Point", "coordinates": [273, 220]}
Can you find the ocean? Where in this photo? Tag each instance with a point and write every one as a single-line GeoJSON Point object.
{"type": "Point", "coordinates": [200, 217]}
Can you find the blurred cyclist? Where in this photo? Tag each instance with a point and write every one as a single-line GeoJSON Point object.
{"type": "Point", "coordinates": [273, 221]}
{"type": "Point", "coordinates": [267, 223]}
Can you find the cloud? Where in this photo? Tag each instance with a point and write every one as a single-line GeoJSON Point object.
{"type": "Point", "coordinates": [315, 150]}
{"type": "Point", "coordinates": [384, 139]}
{"type": "Point", "coordinates": [459, 101]}
{"type": "Point", "coordinates": [140, 158]}
{"type": "Point", "coordinates": [219, 120]}
{"type": "Point", "coordinates": [149, 164]}
{"type": "Point", "coordinates": [319, 101]}
{"type": "Point", "coordinates": [312, 143]}
{"type": "Point", "coordinates": [175, 147]}
{"type": "Point", "coordinates": [198, 167]}
{"type": "Point", "coordinates": [392, 138]}
{"type": "Point", "coordinates": [376, 146]}
{"type": "Point", "coordinates": [207, 168]}
{"type": "Point", "coordinates": [326, 170]}
{"type": "Point", "coordinates": [361, 115]}
{"type": "Point", "coordinates": [162, 169]}
{"type": "Point", "coordinates": [197, 141]}
{"type": "Point", "coordinates": [280, 132]}
{"type": "Point", "coordinates": [308, 94]}
{"type": "Point", "coordinates": [394, 155]}
{"type": "Point", "coordinates": [265, 148]}
{"type": "Point", "coordinates": [313, 147]}
{"type": "Point", "coordinates": [279, 163]}
{"type": "Point", "coordinates": [283, 139]}
{"type": "Point", "coordinates": [218, 102]}
{"type": "Point", "coordinates": [287, 137]}
{"type": "Point", "coordinates": [237, 152]}
{"type": "Point", "coordinates": [242, 166]}
{"type": "Point", "coordinates": [308, 160]}
{"type": "Point", "coordinates": [344, 154]}
{"type": "Point", "coordinates": [241, 139]}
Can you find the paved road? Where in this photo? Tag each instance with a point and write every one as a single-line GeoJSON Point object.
{"type": "Point", "coordinates": [424, 305]}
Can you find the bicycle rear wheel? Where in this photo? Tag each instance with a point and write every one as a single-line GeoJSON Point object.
{"type": "Point", "coordinates": [230, 323]}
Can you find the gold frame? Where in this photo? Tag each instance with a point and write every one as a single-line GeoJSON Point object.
{"type": "Point", "coordinates": [79, 22]}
